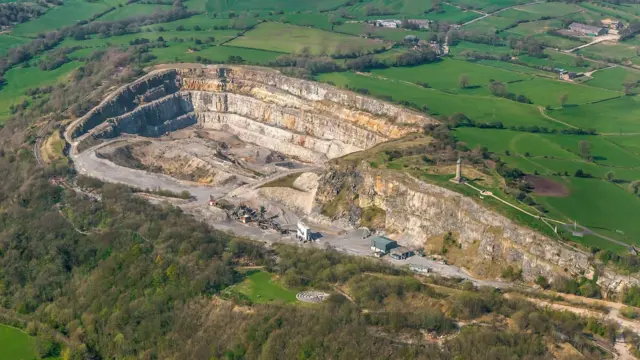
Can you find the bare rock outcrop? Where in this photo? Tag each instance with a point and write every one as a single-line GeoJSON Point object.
{"type": "Point", "coordinates": [418, 213]}
{"type": "Point", "coordinates": [306, 120]}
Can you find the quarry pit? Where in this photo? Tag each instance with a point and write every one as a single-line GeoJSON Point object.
{"type": "Point", "coordinates": [254, 137]}
{"type": "Point", "coordinates": [226, 132]}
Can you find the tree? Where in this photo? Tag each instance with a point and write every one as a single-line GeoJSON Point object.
{"type": "Point", "coordinates": [497, 88]}
{"type": "Point", "coordinates": [628, 86]}
{"type": "Point", "coordinates": [610, 176]}
{"type": "Point", "coordinates": [464, 81]}
{"type": "Point", "coordinates": [635, 186]}
{"type": "Point", "coordinates": [563, 99]}
{"type": "Point", "coordinates": [585, 149]}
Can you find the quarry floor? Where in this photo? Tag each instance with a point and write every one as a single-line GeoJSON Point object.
{"type": "Point", "coordinates": [339, 237]}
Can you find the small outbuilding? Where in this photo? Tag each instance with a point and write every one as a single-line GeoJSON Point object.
{"type": "Point", "coordinates": [382, 244]}
{"type": "Point", "coordinates": [401, 253]}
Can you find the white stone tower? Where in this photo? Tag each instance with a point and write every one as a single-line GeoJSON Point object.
{"type": "Point", "coordinates": [458, 178]}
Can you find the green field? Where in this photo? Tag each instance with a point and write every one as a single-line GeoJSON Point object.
{"type": "Point", "coordinates": [287, 38]}
{"type": "Point", "coordinates": [445, 75]}
{"type": "Point", "coordinates": [517, 143]}
{"type": "Point", "coordinates": [490, 25]}
{"type": "Point", "coordinates": [203, 21]}
{"type": "Point", "coordinates": [547, 92]}
{"type": "Point", "coordinates": [552, 154]}
{"type": "Point", "coordinates": [260, 287]}
{"type": "Point", "coordinates": [134, 10]}
{"type": "Point", "coordinates": [629, 142]}
{"type": "Point", "coordinates": [598, 203]}
{"type": "Point", "coordinates": [608, 50]}
{"type": "Point", "coordinates": [517, 68]}
{"type": "Point", "coordinates": [16, 344]}
{"type": "Point", "coordinates": [217, 6]}
{"type": "Point", "coordinates": [8, 41]}
{"type": "Point", "coordinates": [19, 80]}
{"type": "Point", "coordinates": [172, 38]}
{"type": "Point", "coordinates": [361, 29]}
{"type": "Point", "coordinates": [556, 60]}
{"type": "Point", "coordinates": [488, 5]}
{"type": "Point", "coordinates": [58, 17]}
{"type": "Point", "coordinates": [480, 48]}
{"type": "Point", "coordinates": [416, 9]}
{"type": "Point", "coordinates": [479, 108]}
{"type": "Point", "coordinates": [611, 116]}
{"type": "Point", "coordinates": [613, 78]}
{"type": "Point", "coordinates": [626, 14]}
{"type": "Point", "coordinates": [547, 9]}
{"type": "Point", "coordinates": [179, 52]}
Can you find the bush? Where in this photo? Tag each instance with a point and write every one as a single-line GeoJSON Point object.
{"type": "Point", "coordinates": [542, 282]}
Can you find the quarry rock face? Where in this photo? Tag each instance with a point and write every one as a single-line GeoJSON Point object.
{"type": "Point", "coordinates": [303, 119]}
{"type": "Point", "coordinates": [314, 123]}
{"type": "Point", "coordinates": [418, 212]}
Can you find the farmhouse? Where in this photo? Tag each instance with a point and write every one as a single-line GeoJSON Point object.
{"type": "Point", "coordinates": [382, 245]}
{"type": "Point", "coordinates": [612, 24]}
{"type": "Point", "coordinates": [587, 29]}
{"type": "Point", "coordinates": [388, 23]}
{"type": "Point", "coordinates": [568, 75]}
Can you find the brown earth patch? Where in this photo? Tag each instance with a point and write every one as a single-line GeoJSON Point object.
{"type": "Point", "coordinates": [547, 187]}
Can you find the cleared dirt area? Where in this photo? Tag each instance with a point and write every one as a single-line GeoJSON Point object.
{"type": "Point", "coordinates": [547, 187]}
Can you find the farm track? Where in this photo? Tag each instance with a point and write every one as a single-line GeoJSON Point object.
{"type": "Point", "coordinates": [546, 116]}
{"type": "Point", "coordinates": [596, 41]}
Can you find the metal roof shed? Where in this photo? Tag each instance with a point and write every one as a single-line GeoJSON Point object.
{"type": "Point", "coordinates": [382, 244]}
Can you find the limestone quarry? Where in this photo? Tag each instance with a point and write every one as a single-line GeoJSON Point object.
{"type": "Point", "coordinates": [254, 136]}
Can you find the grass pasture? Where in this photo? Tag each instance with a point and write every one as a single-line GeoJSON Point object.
{"type": "Point", "coordinates": [479, 108]}
{"type": "Point", "coordinates": [19, 80]}
{"type": "Point", "coordinates": [547, 92]}
{"type": "Point", "coordinates": [592, 202]}
{"type": "Point", "coordinates": [218, 6]}
{"type": "Point", "coordinates": [15, 344]}
{"type": "Point", "coordinates": [179, 52]}
{"type": "Point", "coordinates": [629, 142]}
{"type": "Point", "coordinates": [480, 48]}
{"type": "Point", "coordinates": [487, 5]}
{"type": "Point", "coordinates": [7, 41]}
{"type": "Point", "coordinates": [261, 287]}
{"type": "Point", "coordinates": [362, 29]}
{"type": "Point", "coordinates": [599, 204]}
{"type": "Point", "coordinates": [490, 25]}
{"type": "Point", "coordinates": [556, 59]}
{"type": "Point", "coordinates": [285, 38]}
{"type": "Point", "coordinates": [611, 116]}
{"type": "Point", "coordinates": [548, 9]}
{"type": "Point", "coordinates": [610, 50]}
{"type": "Point", "coordinates": [613, 78]}
{"type": "Point", "coordinates": [517, 143]}
{"type": "Point", "coordinates": [445, 75]}
{"type": "Point", "coordinates": [58, 17]}
{"type": "Point", "coordinates": [134, 10]}
{"type": "Point", "coordinates": [626, 14]}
